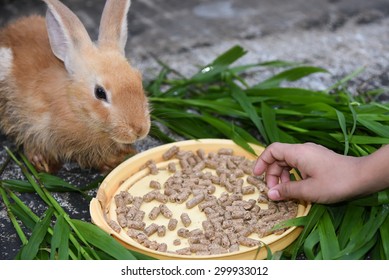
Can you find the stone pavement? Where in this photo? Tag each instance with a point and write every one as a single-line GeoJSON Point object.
{"type": "Point", "coordinates": [339, 35]}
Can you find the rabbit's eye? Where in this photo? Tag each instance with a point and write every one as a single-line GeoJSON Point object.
{"type": "Point", "coordinates": [100, 93]}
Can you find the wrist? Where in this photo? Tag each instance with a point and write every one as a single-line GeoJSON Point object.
{"type": "Point", "coordinates": [372, 172]}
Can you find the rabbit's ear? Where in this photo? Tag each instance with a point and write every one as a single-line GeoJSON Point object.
{"type": "Point", "coordinates": [113, 25]}
{"type": "Point", "coordinates": [67, 34]}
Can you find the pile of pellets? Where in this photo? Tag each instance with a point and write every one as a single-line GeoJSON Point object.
{"type": "Point", "coordinates": [231, 221]}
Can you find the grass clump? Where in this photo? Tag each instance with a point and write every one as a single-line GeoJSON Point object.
{"type": "Point", "coordinates": [219, 102]}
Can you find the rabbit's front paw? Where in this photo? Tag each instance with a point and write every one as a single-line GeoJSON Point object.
{"type": "Point", "coordinates": [124, 152]}
{"type": "Point", "coordinates": [43, 164]}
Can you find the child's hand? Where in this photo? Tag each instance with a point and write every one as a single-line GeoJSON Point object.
{"type": "Point", "coordinates": [327, 177]}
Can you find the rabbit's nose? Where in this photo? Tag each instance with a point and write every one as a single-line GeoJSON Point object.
{"type": "Point", "coordinates": [141, 131]}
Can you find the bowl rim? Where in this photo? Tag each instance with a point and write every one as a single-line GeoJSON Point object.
{"type": "Point", "coordinates": [101, 202]}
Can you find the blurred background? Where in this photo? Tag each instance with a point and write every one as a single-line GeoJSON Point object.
{"type": "Point", "coordinates": [340, 35]}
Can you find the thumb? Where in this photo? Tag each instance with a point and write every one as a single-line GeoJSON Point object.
{"type": "Point", "coordinates": [292, 190]}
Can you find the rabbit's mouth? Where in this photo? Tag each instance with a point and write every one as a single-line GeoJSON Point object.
{"type": "Point", "coordinates": [130, 135]}
{"type": "Point", "coordinates": [125, 140]}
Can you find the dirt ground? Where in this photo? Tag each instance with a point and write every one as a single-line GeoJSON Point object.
{"type": "Point", "coordinates": [339, 35]}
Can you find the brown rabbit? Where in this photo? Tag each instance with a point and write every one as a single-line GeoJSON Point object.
{"type": "Point", "coordinates": [64, 98]}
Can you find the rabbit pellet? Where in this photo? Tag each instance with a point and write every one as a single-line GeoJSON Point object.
{"type": "Point", "coordinates": [231, 221]}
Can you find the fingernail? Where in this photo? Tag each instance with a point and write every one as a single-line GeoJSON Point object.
{"type": "Point", "coordinates": [274, 194]}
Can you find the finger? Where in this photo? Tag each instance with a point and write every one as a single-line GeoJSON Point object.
{"type": "Point", "coordinates": [264, 160]}
{"type": "Point", "coordinates": [275, 172]}
{"type": "Point", "coordinates": [280, 152]}
{"type": "Point", "coordinates": [272, 180]}
{"type": "Point", "coordinates": [293, 190]}
{"type": "Point", "coordinates": [260, 167]}
{"type": "Point", "coordinates": [276, 152]}
{"type": "Point", "coordinates": [285, 175]}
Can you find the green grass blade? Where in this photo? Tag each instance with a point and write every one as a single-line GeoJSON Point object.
{"type": "Point", "coordinates": [328, 241]}
{"type": "Point", "coordinates": [295, 222]}
{"type": "Point", "coordinates": [232, 132]}
{"type": "Point", "coordinates": [18, 186]}
{"type": "Point", "coordinates": [290, 75]}
{"type": "Point", "coordinates": [376, 127]}
{"type": "Point", "coordinates": [220, 64]}
{"type": "Point", "coordinates": [155, 86]}
{"type": "Point", "coordinates": [279, 63]}
{"type": "Point", "coordinates": [190, 125]}
{"type": "Point", "coordinates": [29, 176]}
{"type": "Point", "coordinates": [354, 116]}
{"type": "Point", "coordinates": [375, 199]}
{"type": "Point", "coordinates": [313, 217]}
{"type": "Point", "coordinates": [240, 96]}
{"type": "Point", "coordinates": [290, 96]}
{"type": "Point", "coordinates": [54, 183]}
{"type": "Point", "coordinates": [12, 215]}
{"type": "Point", "coordinates": [267, 64]}
{"type": "Point", "coordinates": [25, 214]}
{"type": "Point", "coordinates": [157, 133]}
{"type": "Point", "coordinates": [343, 126]}
{"type": "Point", "coordinates": [346, 79]}
{"type": "Point", "coordinates": [30, 250]}
{"type": "Point", "coordinates": [102, 240]}
{"type": "Point", "coordinates": [362, 139]}
{"type": "Point", "coordinates": [22, 216]}
{"type": "Point", "coordinates": [384, 235]}
{"type": "Point", "coordinates": [367, 232]}
{"type": "Point", "coordinates": [270, 123]}
{"type": "Point", "coordinates": [310, 244]}
{"type": "Point", "coordinates": [361, 251]}
{"type": "Point", "coordinates": [220, 105]}
{"type": "Point", "coordinates": [351, 223]}
{"type": "Point", "coordinates": [60, 240]}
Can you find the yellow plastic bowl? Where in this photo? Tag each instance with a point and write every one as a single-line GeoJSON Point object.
{"type": "Point", "coordinates": [128, 176]}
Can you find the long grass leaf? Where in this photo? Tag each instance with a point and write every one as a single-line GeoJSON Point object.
{"type": "Point", "coordinates": [352, 221]}
{"type": "Point", "coordinates": [376, 127]}
{"type": "Point", "coordinates": [231, 132]}
{"type": "Point", "coordinates": [367, 232]}
{"type": "Point", "coordinates": [290, 75]}
{"type": "Point", "coordinates": [343, 126]}
{"type": "Point", "coordinates": [290, 96]}
{"type": "Point", "coordinates": [221, 106]}
{"type": "Point", "coordinates": [384, 235]}
{"type": "Point", "coordinates": [361, 251]}
{"type": "Point", "coordinates": [362, 139]}
{"type": "Point", "coordinates": [295, 222]}
{"type": "Point", "coordinates": [270, 123]}
{"type": "Point", "coordinates": [30, 250]}
{"type": "Point", "coordinates": [220, 64]}
{"type": "Point", "coordinates": [17, 186]}
{"type": "Point", "coordinates": [354, 117]}
{"type": "Point", "coordinates": [11, 215]}
{"type": "Point", "coordinates": [328, 242]}
{"type": "Point", "coordinates": [375, 199]}
{"type": "Point", "coordinates": [313, 217]}
{"type": "Point", "coordinates": [267, 64]}
{"type": "Point", "coordinates": [310, 243]}
{"type": "Point", "coordinates": [54, 183]}
{"type": "Point", "coordinates": [346, 79]}
{"type": "Point", "coordinates": [23, 217]}
{"type": "Point", "coordinates": [240, 96]}
{"type": "Point", "coordinates": [102, 240]}
{"type": "Point", "coordinates": [60, 240]}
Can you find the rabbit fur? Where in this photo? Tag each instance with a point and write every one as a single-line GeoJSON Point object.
{"type": "Point", "coordinates": [65, 98]}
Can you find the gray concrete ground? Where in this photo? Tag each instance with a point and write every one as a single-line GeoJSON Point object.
{"type": "Point", "coordinates": [340, 35]}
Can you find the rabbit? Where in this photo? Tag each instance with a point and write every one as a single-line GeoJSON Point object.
{"type": "Point", "coordinates": [64, 98]}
